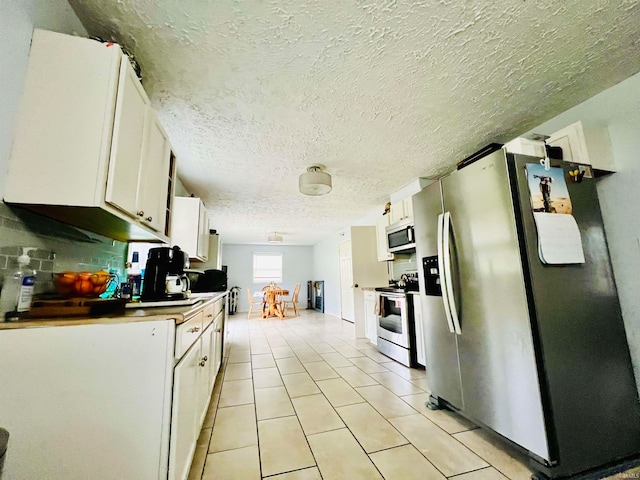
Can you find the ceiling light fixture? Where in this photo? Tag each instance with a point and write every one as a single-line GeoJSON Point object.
{"type": "Point", "coordinates": [315, 181]}
{"type": "Point", "coordinates": [275, 238]}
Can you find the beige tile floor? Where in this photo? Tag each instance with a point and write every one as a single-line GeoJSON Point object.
{"type": "Point", "coordinates": [303, 399]}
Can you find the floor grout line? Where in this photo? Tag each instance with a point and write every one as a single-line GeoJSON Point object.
{"type": "Point", "coordinates": [244, 333]}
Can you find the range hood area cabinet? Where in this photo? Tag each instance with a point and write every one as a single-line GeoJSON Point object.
{"type": "Point", "coordinates": [401, 210]}
{"type": "Point", "coordinates": [88, 148]}
{"type": "Point", "coordinates": [190, 227]}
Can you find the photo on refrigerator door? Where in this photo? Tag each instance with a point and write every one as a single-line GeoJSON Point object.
{"type": "Point", "coordinates": [548, 189]}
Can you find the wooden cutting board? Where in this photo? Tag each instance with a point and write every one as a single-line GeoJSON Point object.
{"type": "Point", "coordinates": [72, 307]}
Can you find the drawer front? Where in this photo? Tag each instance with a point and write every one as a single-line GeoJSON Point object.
{"type": "Point", "coordinates": [218, 306]}
{"type": "Point", "coordinates": [208, 315]}
{"type": "Point", "coordinates": [188, 332]}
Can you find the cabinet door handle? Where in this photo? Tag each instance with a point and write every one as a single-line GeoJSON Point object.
{"type": "Point", "coordinates": [205, 358]}
{"type": "Point", "coordinates": [210, 315]}
{"type": "Point", "coordinates": [148, 219]}
{"type": "Point", "coordinates": [140, 213]}
{"type": "Point", "coordinates": [203, 363]}
{"type": "Point", "coordinates": [194, 330]}
{"type": "Point", "coordinates": [218, 330]}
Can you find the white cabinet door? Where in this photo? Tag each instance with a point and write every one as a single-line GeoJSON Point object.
{"type": "Point", "coordinates": [397, 212]}
{"type": "Point", "coordinates": [371, 321]}
{"type": "Point", "coordinates": [203, 233]}
{"type": "Point", "coordinates": [154, 175]}
{"type": "Point", "coordinates": [381, 236]}
{"type": "Point", "coordinates": [417, 312]}
{"type": "Point", "coordinates": [401, 210]}
{"type": "Point", "coordinates": [126, 146]}
{"type": "Point", "coordinates": [218, 342]}
{"type": "Point", "coordinates": [347, 308]}
{"type": "Point", "coordinates": [87, 401]}
{"type": "Point", "coordinates": [190, 227]}
{"type": "Point", "coordinates": [206, 364]}
{"type": "Point", "coordinates": [184, 415]}
{"type": "Point", "coordinates": [407, 207]}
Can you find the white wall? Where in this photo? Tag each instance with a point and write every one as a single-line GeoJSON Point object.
{"type": "Point", "coordinates": [18, 18]}
{"type": "Point", "coordinates": [296, 268]}
{"type": "Point", "coordinates": [619, 109]}
{"type": "Point", "coordinates": [326, 263]}
{"type": "Point", "coordinates": [326, 267]}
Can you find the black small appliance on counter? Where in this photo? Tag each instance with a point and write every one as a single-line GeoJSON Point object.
{"type": "Point", "coordinates": [163, 261]}
{"type": "Point", "coordinates": [210, 281]}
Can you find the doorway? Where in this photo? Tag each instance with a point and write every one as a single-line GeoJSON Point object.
{"type": "Point", "coordinates": [347, 306]}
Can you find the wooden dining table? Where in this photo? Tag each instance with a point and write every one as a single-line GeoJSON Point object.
{"type": "Point", "coordinates": [272, 304]}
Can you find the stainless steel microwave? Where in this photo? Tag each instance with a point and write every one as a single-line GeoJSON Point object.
{"type": "Point", "coordinates": [400, 236]}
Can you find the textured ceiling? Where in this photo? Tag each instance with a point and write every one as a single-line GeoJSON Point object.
{"type": "Point", "coordinates": [380, 92]}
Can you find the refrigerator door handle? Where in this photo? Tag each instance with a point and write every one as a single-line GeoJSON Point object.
{"type": "Point", "coordinates": [443, 279]}
{"type": "Point", "coordinates": [446, 250]}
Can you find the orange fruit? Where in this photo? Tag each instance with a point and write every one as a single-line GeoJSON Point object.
{"type": "Point", "coordinates": [66, 278]}
{"type": "Point", "coordinates": [100, 278]}
{"type": "Point", "coordinates": [84, 285]}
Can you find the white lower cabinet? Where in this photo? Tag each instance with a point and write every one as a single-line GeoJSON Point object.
{"type": "Point", "coordinates": [121, 399]}
{"type": "Point", "coordinates": [87, 401]}
{"type": "Point", "coordinates": [217, 341]}
{"type": "Point", "coordinates": [419, 329]}
{"type": "Point", "coordinates": [370, 319]}
{"type": "Point", "coordinates": [185, 410]}
{"type": "Point", "coordinates": [193, 380]}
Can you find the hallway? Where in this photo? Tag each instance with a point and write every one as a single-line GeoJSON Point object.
{"type": "Point", "coordinates": [302, 398]}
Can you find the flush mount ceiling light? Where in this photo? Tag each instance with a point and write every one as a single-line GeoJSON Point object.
{"type": "Point", "coordinates": [275, 238]}
{"type": "Point", "coordinates": [315, 181]}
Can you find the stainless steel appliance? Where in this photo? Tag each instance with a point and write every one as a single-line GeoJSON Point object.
{"type": "Point", "coordinates": [400, 236]}
{"type": "Point", "coordinates": [535, 352]}
{"type": "Point", "coordinates": [396, 329]}
{"type": "Point", "coordinates": [161, 262]}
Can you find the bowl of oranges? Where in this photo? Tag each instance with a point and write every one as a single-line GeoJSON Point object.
{"type": "Point", "coordinates": [82, 284]}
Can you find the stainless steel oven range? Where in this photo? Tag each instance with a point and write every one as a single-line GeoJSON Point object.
{"type": "Point", "coordinates": [396, 326]}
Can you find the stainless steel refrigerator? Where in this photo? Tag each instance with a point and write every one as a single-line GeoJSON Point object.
{"type": "Point", "coordinates": [535, 352]}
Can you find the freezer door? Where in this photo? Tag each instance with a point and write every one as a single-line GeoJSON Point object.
{"type": "Point", "coordinates": [581, 331]}
{"type": "Point", "coordinates": [496, 353]}
{"type": "Point", "coordinates": [441, 349]}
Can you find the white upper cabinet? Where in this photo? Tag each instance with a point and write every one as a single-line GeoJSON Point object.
{"type": "Point", "coordinates": [381, 237]}
{"type": "Point", "coordinates": [153, 191]}
{"type": "Point", "coordinates": [401, 210]}
{"type": "Point", "coordinates": [586, 144]}
{"type": "Point", "coordinates": [126, 146]}
{"type": "Point", "coordinates": [88, 149]}
{"type": "Point", "coordinates": [190, 227]}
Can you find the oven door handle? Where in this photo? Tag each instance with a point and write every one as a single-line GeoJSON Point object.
{"type": "Point", "coordinates": [451, 298]}
{"type": "Point", "coordinates": [392, 296]}
{"type": "Point", "coordinates": [443, 277]}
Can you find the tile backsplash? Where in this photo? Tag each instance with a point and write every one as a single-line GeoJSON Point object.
{"type": "Point", "coordinates": [58, 246]}
{"type": "Point", "coordinates": [403, 263]}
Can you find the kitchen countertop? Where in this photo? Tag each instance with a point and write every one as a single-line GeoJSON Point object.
{"type": "Point", "coordinates": [177, 313]}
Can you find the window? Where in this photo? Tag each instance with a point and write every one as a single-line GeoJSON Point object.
{"type": "Point", "coordinates": [267, 267]}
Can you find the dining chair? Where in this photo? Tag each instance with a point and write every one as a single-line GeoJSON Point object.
{"type": "Point", "coordinates": [254, 303]}
{"type": "Point", "coordinates": [293, 301]}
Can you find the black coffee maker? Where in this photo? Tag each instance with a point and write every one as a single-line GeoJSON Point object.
{"type": "Point", "coordinates": [163, 261]}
